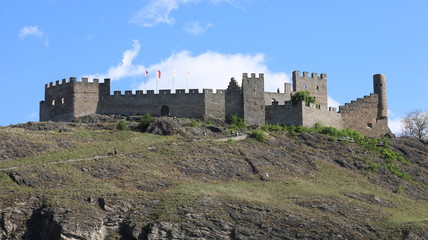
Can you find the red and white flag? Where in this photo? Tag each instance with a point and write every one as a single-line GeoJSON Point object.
{"type": "Point", "coordinates": [147, 74]}
{"type": "Point", "coordinates": [159, 74]}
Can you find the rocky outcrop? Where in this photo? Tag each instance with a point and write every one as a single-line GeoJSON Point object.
{"type": "Point", "coordinates": [137, 195]}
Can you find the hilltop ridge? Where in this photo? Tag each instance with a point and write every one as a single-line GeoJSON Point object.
{"type": "Point", "coordinates": [87, 180]}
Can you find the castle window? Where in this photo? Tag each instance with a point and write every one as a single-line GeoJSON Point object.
{"type": "Point", "coordinates": [62, 100]}
{"type": "Point", "coordinates": [370, 125]}
{"type": "Point", "coordinates": [318, 88]}
{"type": "Point", "coordinates": [53, 102]}
{"type": "Point", "coordinates": [304, 86]}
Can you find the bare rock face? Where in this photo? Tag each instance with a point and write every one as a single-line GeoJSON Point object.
{"type": "Point", "coordinates": [137, 195]}
{"type": "Point", "coordinates": [164, 126]}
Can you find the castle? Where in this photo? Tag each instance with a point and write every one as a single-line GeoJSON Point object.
{"type": "Point", "coordinates": [67, 100]}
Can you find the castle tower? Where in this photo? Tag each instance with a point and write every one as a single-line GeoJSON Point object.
{"type": "Point", "coordinates": [253, 98]}
{"type": "Point", "coordinates": [379, 87]}
{"type": "Point", "coordinates": [314, 84]}
{"type": "Point", "coordinates": [66, 100]}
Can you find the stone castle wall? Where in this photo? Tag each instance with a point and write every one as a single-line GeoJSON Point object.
{"type": "Point", "coordinates": [301, 115]}
{"type": "Point", "coordinates": [66, 100]}
{"type": "Point", "coordinates": [165, 103]}
{"type": "Point", "coordinates": [362, 116]}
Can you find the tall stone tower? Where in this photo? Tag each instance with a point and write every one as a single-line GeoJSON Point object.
{"type": "Point", "coordinates": [253, 98]}
{"type": "Point", "coordinates": [379, 87]}
{"type": "Point", "coordinates": [316, 85]}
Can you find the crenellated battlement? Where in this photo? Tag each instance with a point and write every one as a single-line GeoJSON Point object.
{"type": "Point", "coordinates": [252, 76]}
{"type": "Point", "coordinates": [312, 76]}
{"type": "Point", "coordinates": [359, 102]}
{"type": "Point", "coordinates": [141, 93]}
{"type": "Point", "coordinates": [73, 80]}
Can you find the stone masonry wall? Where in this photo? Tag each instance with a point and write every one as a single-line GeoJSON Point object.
{"type": "Point", "coordinates": [233, 99]}
{"type": "Point", "coordinates": [253, 99]}
{"type": "Point", "coordinates": [316, 85]}
{"type": "Point", "coordinates": [58, 102]}
{"type": "Point", "coordinates": [86, 96]}
{"type": "Point", "coordinates": [302, 115]}
{"type": "Point", "coordinates": [278, 97]}
{"type": "Point", "coordinates": [361, 115]}
{"type": "Point", "coordinates": [215, 104]}
{"type": "Point", "coordinates": [284, 114]}
{"type": "Point", "coordinates": [328, 117]}
{"type": "Point", "coordinates": [179, 104]}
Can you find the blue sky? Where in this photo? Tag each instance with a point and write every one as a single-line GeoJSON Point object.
{"type": "Point", "coordinates": [46, 40]}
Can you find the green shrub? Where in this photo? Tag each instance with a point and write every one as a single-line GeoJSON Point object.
{"type": "Point", "coordinates": [192, 123]}
{"type": "Point", "coordinates": [146, 119]}
{"type": "Point", "coordinates": [273, 127]}
{"type": "Point", "coordinates": [400, 189]}
{"type": "Point", "coordinates": [236, 122]}
{"type": "Point", "coordinates": [259, 135]}
{"type": "Point", "coordinates": [122, 126]}
{"type": "Point", "coordinates": [303, 96]}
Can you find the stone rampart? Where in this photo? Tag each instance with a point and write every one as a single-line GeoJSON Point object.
{"type": "Point", "coordinates": [362, 115]}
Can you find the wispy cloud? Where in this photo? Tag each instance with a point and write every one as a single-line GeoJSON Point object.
{"type": "Point", "coordinates": [207, 70]}
{"type": "Point", "coordinates": [333, 102]}
{"type": "Point", "coordinates": [30, 31]}
{"type": "Point", "coordinates": [158, 11]}
{"type": "Point", "coordinates": [195, 28]}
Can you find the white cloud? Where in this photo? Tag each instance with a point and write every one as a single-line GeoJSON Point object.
{"type": "Point", "coordinates": [158, 11]}
{"type": "Point", "coordinates": [207, 70]}
{"type": "Point", "coordinates": [33, 116]}
{"type": "Point", "coordinates": [30, 31]}
{"type": "Point", "coordinates": [332, 102]}
{"type": "Point", "coordinates": [195, 28]}
{"type": "Point", "coordinates": [395, 125]}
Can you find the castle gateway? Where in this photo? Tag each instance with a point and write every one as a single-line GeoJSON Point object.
{"type": "Point", "coordinates": [67, 100]}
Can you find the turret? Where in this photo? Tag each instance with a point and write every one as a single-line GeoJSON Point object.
{"type": "Point", "coordinates": [379, 87]}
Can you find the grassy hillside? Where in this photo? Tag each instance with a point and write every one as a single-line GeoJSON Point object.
{"type": "Point", "coordinates": [95, 181]}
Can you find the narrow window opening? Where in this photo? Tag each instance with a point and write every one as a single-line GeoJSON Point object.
{"type": "Point", "coordinates": [305, 86]}
{"type": "Point", "coordinates": [62, 100]}
{"type": "Point", "coordinates": [370, 125]}
{"type": "Point", "coordinates": [53, 102]}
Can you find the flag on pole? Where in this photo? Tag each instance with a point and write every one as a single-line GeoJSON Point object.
{"type": "Point", "coordinates": [174, 74]}
{"type": "Point", "coordinates": [145, 81]}
{"type": "Point", "coordinates": [159, 74]}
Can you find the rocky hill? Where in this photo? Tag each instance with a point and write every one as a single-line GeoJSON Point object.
{"type": "Point", "coordinates": [201, 180]}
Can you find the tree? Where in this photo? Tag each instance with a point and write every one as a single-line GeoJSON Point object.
{"type": "Point", "coordinates": [415, 124]}
{"type": "Point", "coordinates": [303, 95]}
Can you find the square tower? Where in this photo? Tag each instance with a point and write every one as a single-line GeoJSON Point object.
{"type": "Point", "coordinates": [253, 99]}
{"type": "Point", "coordinates": [314, 84]}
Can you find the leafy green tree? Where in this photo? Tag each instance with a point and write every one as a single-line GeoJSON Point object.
{"type": "Point", "coordinates": [236, 122]}
{"type": "Point", "coordinates": [303, 95]}
{"type": "Point", "coordinates": [146, 119]}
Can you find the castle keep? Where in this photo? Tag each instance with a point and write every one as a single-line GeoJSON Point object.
{"type": "Point", "coordinates": [67, 100]}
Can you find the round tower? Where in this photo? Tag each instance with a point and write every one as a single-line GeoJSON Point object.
{"type": "Point", "coordinates": [379, 87]}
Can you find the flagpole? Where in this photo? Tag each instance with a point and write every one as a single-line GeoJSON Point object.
{"type": "Point", "coordinates": [187, 79]}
